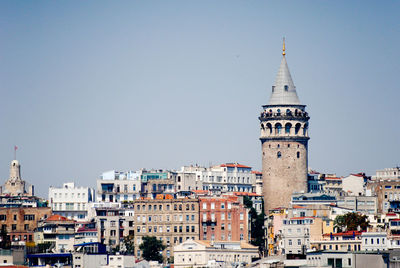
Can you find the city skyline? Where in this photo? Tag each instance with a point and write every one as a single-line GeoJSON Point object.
{"type": "Point", "coordinates": [90, 87]}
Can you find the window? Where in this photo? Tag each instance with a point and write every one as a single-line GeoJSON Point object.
{"type": "Point", "coordinates": [290, 242]}
{"type": "Point", "coordinates": [222, 205]}
{"type": "Point", "coordinates": [26, 227]}
{"type": "Point", "coordinates": [223, 226]}
{"type": "Point", "coordinates": [204, 205]}
{"type": "Point", "coordinates": [212, 205]}
{"type": "Point", "coordinates": [278, 128]}
{"type": "Point", "coordinates": [286, 87]}
{"type": "Point", "coordinates": [3, 217]}
{"type": "Point", "coordinates": [298, 154]}
{"type": "Point", "coordinates": [15, 217]}
{"type": "Point", "coordinates": [299, 242]}
{"type": "Point", "coordinates": [279, 155]}
{"type": "Point", "coordinates": [241, 216]}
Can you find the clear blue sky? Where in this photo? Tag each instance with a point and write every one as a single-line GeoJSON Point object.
{"type": "Point", "coordinates": [91, 86]}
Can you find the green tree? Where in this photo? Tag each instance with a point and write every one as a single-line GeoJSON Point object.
{"type": "Point", "coordinates": [257, 224]}
{"type": "Point", "coordinates": [151, 248]}
{"type": "Point", "coordinates": [351, 222]}
{"type": "Point", "coordinates": [129, 245]}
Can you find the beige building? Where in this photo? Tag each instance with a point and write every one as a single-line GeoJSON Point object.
{"type": "Point", "coordinates": [171, 220]}
{"type": "Point", "coordinates": [284, 138]}
{"type": "Point", "coordinates": [113, 224]}
{"type": "Point", "coordinates": [193, 253]}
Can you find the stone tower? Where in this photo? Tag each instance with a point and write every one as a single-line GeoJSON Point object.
{"type": "Point", "coordinates": [284, 139]}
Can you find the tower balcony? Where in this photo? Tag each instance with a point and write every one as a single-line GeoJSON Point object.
{"type": "Point", "coordinates": [266, 116]}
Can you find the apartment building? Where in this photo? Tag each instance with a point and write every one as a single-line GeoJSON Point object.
{"type": "Point", "coordinates": [223, 218]}
{"type": "Point", "coordinates": [116, 186]}
{"type": "Point", "coordinates": [20, 222]}
{"type": "Point", "coordinates": [171, 220]}
{"type": "Point", "coordinates": [113, 224]}
{"type": "Point", "coordinates": [211, 254]}
{"type": "Point", "coordinates": [71, 201]}
{"type": "Point", "coordinates": [57, 230]}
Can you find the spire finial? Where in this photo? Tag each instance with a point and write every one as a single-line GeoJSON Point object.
{"type": "Point", "coordinates": [283, 48]}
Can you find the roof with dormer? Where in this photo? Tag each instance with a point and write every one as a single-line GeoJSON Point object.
{"type": "Point", "coordinates": [284, 91]}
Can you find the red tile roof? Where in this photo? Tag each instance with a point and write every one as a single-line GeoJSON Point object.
{"type": "Point", "coordinates": [301, 218]}
{"type": "Point", "coordinates": [56, 217]}
{"type": "Point", "coordinates": [348, 233]}
{"type": "Point", "coordinates": [295, 206]}
{"type": "Point", "coordinates": [332, 178]}
{"type": "Point", "coordinates": [245, 193]}
{"type": "Point", "coordinates": [256, 172]}
{"type": "Point", "coordinates": [234, 165]}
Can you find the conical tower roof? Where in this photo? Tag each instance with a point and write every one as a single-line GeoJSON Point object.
{"type": "Point", "coordinates": [284, 91]}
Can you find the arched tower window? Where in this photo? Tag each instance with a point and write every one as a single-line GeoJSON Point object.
{"type": "Point", "coordinates": [279, 155]}
{"type": "Point", "coordinates": [278, 112]}
{"type": "Point", "coordinates": [288, 112]}
{"type": "Point", "coordinates": [269, 127]}
{"type": "Point", "coordinates": [305, 129]}
{"type": "Point", "coordinates": [278, 128]}
{"type": "Point", "coordinates": [288, 126]}
{"type": "Point", "coordinates": [297, 128]}
{"type": "Point", "coordinates": [298, 154]}
{"type": "Point", "coordinates": [273, 88]}
{"type": "Point", "coordinates": [286, 87]}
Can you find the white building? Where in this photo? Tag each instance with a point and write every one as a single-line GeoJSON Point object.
{"type": "Point", "coordinates": [71, 201]}
{"type": "Point", "coordinates": [229, 177]}
{"type": "Point", "coordinates": [196, 253]}
{"type": "Point", "coordinates": [387, 174]}
{"type": "Point", "coordinates": [354, 184]}
{"type": "Point", "coordinates": [374, 241]}
{"type": "Point", "coordinates": [115, 186]}
{"type": "Point", "coordinates": [296, 234]}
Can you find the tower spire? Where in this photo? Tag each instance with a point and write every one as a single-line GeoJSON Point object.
{"type": "Point", "coordinates": [283, 48]}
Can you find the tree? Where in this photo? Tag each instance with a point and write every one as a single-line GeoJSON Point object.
{"type": "Point", "coordinates": [351, 222]}
{"type": "Point", "coordinates": [129, 245]}
{"type": "Point", "coordinates": [257, 224]}
{"type": "Point", "coordinates": [151, 248]}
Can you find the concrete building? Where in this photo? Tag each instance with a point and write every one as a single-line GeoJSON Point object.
{"type": "Point", "coordinates": [365, 204]}
{"type": "Point", "coordinates": [387, 174]}
{"type": "Point", "coordinates": [15, 186]}
{"type": "Point", "coordinates": [115, 186]}
{"type": "Point", "coordinates": [284, 138]}
{"type": "Point", "coordinates": [57, 230]}
{"type": "Point", "coordinates": [388, 194]}
{"type": "Point", "coordinates": [71, 201]}
{"type": "Point", "coordinates": [345, 241]}
{"type": "Point", "coordinates": [223, 219]}
{"type": "Point", "coordinates": [171, 220]}
{"type": "Point", "coordinates": [228, 177]}
{"type": "Point", "coordinates": [374, 241]}
{"type": "Point", "coordinates": [347, 259]}
{"type": "Point", "coordinates": [296, 235]}
{"type": "Point", "coordinates": [198, 254]}
{"type": "Point", "coordinates": [113, 224]}
{"type": "Point", "coordinates": [20, 222]}
{"type": "Point", "coordinates": [354, 184]}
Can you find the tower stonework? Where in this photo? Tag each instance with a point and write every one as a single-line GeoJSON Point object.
{"type": "Point", "coordinates": [284, 138]}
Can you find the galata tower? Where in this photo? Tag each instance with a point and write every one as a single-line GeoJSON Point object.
{"type": "Point", "coordinates": [284, 139]}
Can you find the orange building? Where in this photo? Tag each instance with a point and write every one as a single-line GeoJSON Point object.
{"type": "Point", "coordinates": [223, 218]}
{"type": "Point", "coordinates": [21, 222]}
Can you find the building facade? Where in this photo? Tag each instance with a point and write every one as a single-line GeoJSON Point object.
{"type": "Point", "coordinates": [284, 139]}
{"type": "Point", "coordinates": [71, 201]}
{"type": "Point", "coordinates": [223, 218]}
{"type": "Point", "coordinates": [171, 220]}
